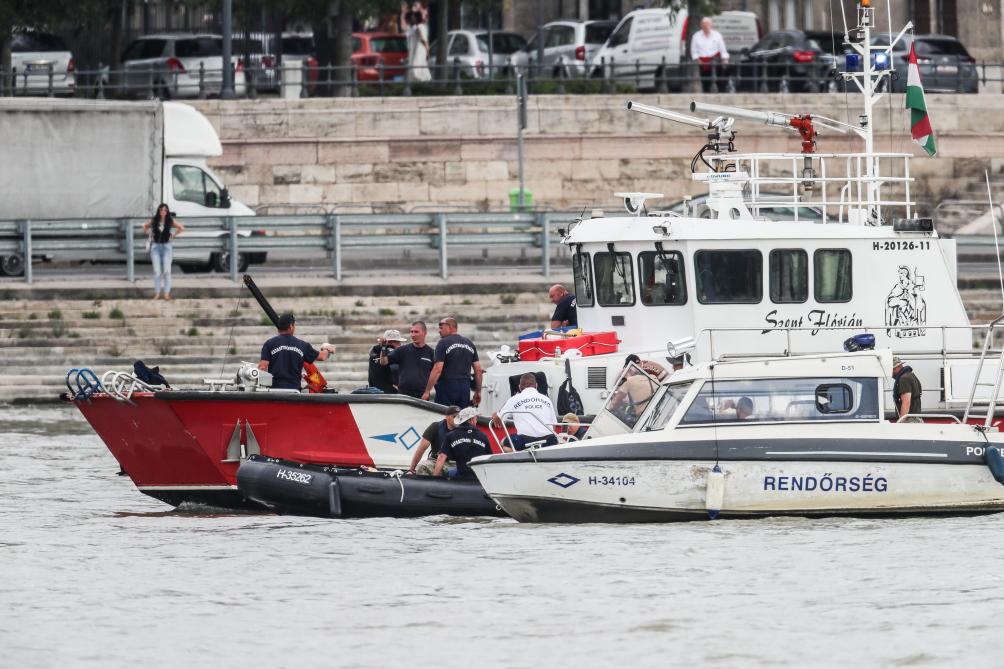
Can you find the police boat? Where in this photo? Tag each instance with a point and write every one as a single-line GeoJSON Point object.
{"type": "Point", "coordinates": [747, 438]}
{"type": "Point", "coordinates": [296, 488]}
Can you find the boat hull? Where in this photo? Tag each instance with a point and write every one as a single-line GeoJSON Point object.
{"type": "Point", "coordinates": [666, 490]}
{"type": "Point", "coordinates": [298, 489]}
{"type": "Point", "coordinates": [185, 447]}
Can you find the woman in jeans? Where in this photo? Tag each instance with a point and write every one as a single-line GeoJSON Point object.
{"type": "Point", "coordinates": [161, 229]}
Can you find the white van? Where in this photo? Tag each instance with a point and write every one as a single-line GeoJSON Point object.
{"type": "Point", "coordinates": [651, 44]}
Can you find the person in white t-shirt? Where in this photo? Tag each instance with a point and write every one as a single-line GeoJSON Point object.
{"type": "Point", "coordinates": [532, 414]}
{"type": "Point", "coordinates": [708, 48]}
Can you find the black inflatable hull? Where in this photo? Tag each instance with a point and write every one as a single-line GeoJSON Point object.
{"type": "Point", "coordinates": [295, 488]}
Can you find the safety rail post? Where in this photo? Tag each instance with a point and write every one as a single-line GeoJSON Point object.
{"type": "Point", "coordinates": [543, 221]}
{"type": "Point", "coordinates": [202, 80]}
{"type": "Point", "coordinates": [26, 246]}
{"type": "Point", "coordinates": [335, 231]}
{"type": "Point", "coordinates": [130, 250]}
{"type": "Point", "coordinates": [232, 224]}
{"type": "Point", "coordinates": [441, 223]}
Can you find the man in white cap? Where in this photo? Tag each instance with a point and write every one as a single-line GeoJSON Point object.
{"type": "Point", "coordinates": [380, 376]}
{"type": "Point", "coordinates": [462, 444]}
{"type": "Point", "coordinates": [906, 391]}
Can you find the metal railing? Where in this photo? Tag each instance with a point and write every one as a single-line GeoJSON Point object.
{"type": "Point", "coordinates": [302, 77]}
{"type": "Point", "coordinates": [332, 233]}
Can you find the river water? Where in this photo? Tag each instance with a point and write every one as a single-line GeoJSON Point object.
{"type": "Point", "coordinates": [95, 574]}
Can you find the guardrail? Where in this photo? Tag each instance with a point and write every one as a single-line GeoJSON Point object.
{"type": "Point", "coordinates": [332, 233]}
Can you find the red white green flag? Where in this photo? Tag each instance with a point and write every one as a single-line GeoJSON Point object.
{"type": "Point", "coordinates": [920, 122]}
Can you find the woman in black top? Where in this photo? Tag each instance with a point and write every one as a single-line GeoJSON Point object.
{"type": "Point", "coordinates": [161, 229]}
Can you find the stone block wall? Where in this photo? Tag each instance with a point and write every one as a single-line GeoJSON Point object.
{"type": "Point", "coordinates": [406, 153]}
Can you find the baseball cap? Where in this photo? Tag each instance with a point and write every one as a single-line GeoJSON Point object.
{"type": "Point", "coordinates": [897, 361]}
{"type": "Point", "coordinates": [393, 335]}
{"type": "Point", "coordinates": [466, 414]}
{"type": "Point", "coordinates": [285, 321]}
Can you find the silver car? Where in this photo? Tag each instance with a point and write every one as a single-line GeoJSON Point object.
{"type": "Point", "coordinates": [568, 47]}
{"type": "Point", "coordinates": [177, 66]}
{"type": "Point", "coordinates": [471, 50]}
{"type": "Point", "coordinates": [33, 56]}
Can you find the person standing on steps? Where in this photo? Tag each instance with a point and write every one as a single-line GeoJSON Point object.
{"type": "Point", "coordinates": [283, 355]}
{"type": "Point", "coordinates": [160, 230]}
{"type": "Point", "coordinates": [456, 357]}
{"type": "Point", "coordinates": [380, 375]}
{"type": "Point", "coordinates": [414, 362]}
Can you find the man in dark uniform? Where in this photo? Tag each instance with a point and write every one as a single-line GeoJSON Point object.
{"type": "Point", "coordinates": [456, 356]}
{"type": "Point", "coordinates": [564, 307]}
{"type": "Point", "coordinates": [432, 441]}
{"type": "Point", "coordinates": [414, 362]}
{"type": "Point", "coordinates": [379, 374]}
{"type": "Point", "coordinates": [463, 444]}
{"type": "Point", "coordinates": [906, 391]}
{"type": "Point", "coordinates": [283, 355]}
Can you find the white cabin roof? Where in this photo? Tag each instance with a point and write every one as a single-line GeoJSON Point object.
{"type": "Point", "coordinates": [875, 363]}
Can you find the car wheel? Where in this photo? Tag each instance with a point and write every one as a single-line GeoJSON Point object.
{"type": "Point", "coordinates": [221, 262]}
{"type": "Point", "coordinates": [12, 265]}
{"type": "Point", "coordinates": [193, 267]}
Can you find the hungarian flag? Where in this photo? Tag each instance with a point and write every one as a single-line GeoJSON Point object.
{"type": "Point", "coordinates": [920, 122]}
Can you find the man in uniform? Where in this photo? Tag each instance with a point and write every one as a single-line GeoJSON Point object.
{"type": "Point", "coordinates": [433, 439]}
{"type": "Point", "coordinates": [564, 307]}
{"type": "Point", "coordinates": [463, 444]}
{"type": "Point", "coordinates": [531, 412]}
{"type": "Point", "coordinates": [380, 375]}
{"type": "Point", "coordinates": [414, 362]}
{"type": "Point", "coordinates": [283, 355]}
{"type": "Point", "coordinates": [455, 357]}
{"type": "Point", "coordinates": [906, 391]}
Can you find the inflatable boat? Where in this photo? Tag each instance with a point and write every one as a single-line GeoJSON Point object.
{"type": "Point", "coordinates": [296, 488]}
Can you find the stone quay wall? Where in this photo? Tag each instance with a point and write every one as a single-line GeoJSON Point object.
{"type": "Point", "coordinates": [453, 152]}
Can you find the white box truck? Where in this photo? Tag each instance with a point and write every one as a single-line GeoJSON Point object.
{"type": "Point", "coordinates": [72, 159]}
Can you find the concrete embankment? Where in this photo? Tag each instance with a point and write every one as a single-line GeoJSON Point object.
{"type": "Point", "coordinates": [213, 324]}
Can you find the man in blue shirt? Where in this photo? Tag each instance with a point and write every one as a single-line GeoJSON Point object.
{"type": "Point", "coordinates": [414, 362]}
{"type": "Point", "coordinates": [283, 355]}
{"type": "Point", "coordinates": [564, 307]}
{"type": "Point", "coordinates": [456, 356]}
{"type": "Point", "coordinates": [462, 444]}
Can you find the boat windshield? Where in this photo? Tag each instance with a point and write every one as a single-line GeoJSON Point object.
{"type": "Point", "coordinates": [667, 405]}
{"type": "Point", "coordinates": [784, 400]}
{"type": "Point", "coordinates": [634, 390]}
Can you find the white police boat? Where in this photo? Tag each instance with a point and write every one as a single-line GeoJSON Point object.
{"type": "Point", "coordinates": [799, 435]}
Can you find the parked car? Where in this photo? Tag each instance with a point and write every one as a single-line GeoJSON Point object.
{"type": "Point", "coordinates": [471, 49]}
{"type": "Point", "coordinates": [568, 47]}
{"type": "Point", "coordinates": [171, 65]}
{"type": "Point", "coordinates": [649, 45]}
{"type": "Point", "coordinates": [33, 54]}
{"type": "Point", "coordinates": [371, 51]}
{"type": "Point", "coordinates": [945, 65]}
{"type": "Point", "coordinates": [786, 61]}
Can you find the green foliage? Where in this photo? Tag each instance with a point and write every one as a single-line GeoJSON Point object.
{"type": "Point", "coordinates": [116, 314]}
{"type": "Point", "coordinates": [360, 303]}
{"type": "Point", "coordinates": [508, 299]}
{"type": "Point", "coordinates": [192, 332]}
{"type": "Point", "coordinates": [32, 317]}
{"type": "Point", "coordinates": [466, 303]}
{"type": "Point", "coordinates": [264, 320]}
{"type": "Point", "coordinates": [384, 311]}
{"type": "Point", "coordinates": [55, 315]}
{"type": "Point", "coordinates": [91, 315]}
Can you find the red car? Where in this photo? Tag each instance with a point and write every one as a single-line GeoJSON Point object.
{"type": "Point", "coordinates": [369, 50]}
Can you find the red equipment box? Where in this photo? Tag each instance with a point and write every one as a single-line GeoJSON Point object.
{"type": "Point", "coordinates": [591, 343]}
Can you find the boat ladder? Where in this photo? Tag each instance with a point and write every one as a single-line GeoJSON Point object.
{"type": "Point", "coordinates": [998, 377]}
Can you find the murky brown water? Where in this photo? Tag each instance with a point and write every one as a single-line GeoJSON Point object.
{"type": "Point", "coordinates": [95, 574]}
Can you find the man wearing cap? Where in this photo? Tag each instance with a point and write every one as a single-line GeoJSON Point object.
{"type": "Point", "coordinates": [532, 413]}
{"type": "Point", "coordinates": [464, 443]}
{"type": "Point", "coordinates": [456, 356]}
{"type": "Point", "coordinates": [432, 440]}
{"type": "Point", "coordinates": [383, 376]}
{"type": "Point", "coordinates": [283, 355]}
{"type": "Point", "coordinates": [906, 391]}
{"type": "Point", "coordinates": [414, 362]}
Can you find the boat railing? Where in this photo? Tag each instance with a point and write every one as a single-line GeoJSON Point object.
{"type": "Point", "coordinates": [564, 437]}
{"type": "Point", "coordinates": [925, 416]}
{"type": "Point", "coordinates": [849, 191]}
{"type": "Point", "coordinates": [996, 385]}
{"type": "Point", "coordinates": [122, 385]}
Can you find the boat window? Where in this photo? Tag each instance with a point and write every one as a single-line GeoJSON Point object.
{"type": "Point", "coordinates": [614, 279]}
{"type": "Point", "coordinates": [832, 273]}
{"type": "Point", "coordinates": [789, 276]}
{"type": "Point", "coordinates": [583, 280]}
{"type": "Point", "coordinates": [834, 398]}
{"type": "Point", "coordinates": [661, 277]}
{"type": "Point", "coordinates": [729, 276]}
{"type": "Point", "coordinates": [784, 400]}
{"type": "Point", "coordinates": [668, 404]}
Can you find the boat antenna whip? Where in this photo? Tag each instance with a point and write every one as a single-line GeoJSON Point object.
{"type": "Point", "coordinates": [997, 248]}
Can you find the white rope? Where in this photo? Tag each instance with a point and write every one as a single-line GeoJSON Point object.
{"type": "Point", "coordinates": [397, 474]}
